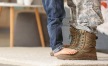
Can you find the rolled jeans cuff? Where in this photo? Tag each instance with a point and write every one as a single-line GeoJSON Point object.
{"type": "Point", "coordinates": [58, 49]}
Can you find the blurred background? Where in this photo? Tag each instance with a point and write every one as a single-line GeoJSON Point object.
{"type": "Point", "coordinates": [26, 32]}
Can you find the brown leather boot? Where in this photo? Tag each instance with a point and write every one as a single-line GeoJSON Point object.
{"type": "Point", "coordinates": [75, 37]}
{"type": "Point", "coordinates": [86, 48]}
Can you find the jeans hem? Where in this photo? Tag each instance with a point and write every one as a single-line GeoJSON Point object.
{"type": "Point", "coordinates": [58, 49]}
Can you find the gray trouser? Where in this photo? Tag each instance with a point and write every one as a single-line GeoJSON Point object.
{"type": "Point", "coordinates": [86, 14]}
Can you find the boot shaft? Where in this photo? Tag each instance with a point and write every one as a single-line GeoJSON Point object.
{"type": "Point", "coordinates": [75, 37]}
{"type": "Point", "coordinates": [87, 40]}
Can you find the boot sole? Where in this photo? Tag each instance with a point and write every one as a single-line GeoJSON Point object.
{"type": "Point", "coordinates": [72, 57]}
{"type": "Point", "coordinates": [84, 58]}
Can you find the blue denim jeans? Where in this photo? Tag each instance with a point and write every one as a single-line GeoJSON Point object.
{"type": "Point", "coordinates": [55, 14]}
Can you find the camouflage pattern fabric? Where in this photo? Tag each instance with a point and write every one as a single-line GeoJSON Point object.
{"type": "Point", "coordinates": [86, 14]}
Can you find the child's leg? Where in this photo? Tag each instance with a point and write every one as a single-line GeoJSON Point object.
{"type": "Point", "coordinates": [55, 12]}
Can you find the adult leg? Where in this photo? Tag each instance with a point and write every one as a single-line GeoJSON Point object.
{"type": "Point", "coordinates": [88, 15]}
{"type": "Point", "coordinates": [74, 34]}
{"type": "Point", "coordinates": [88, 18]}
